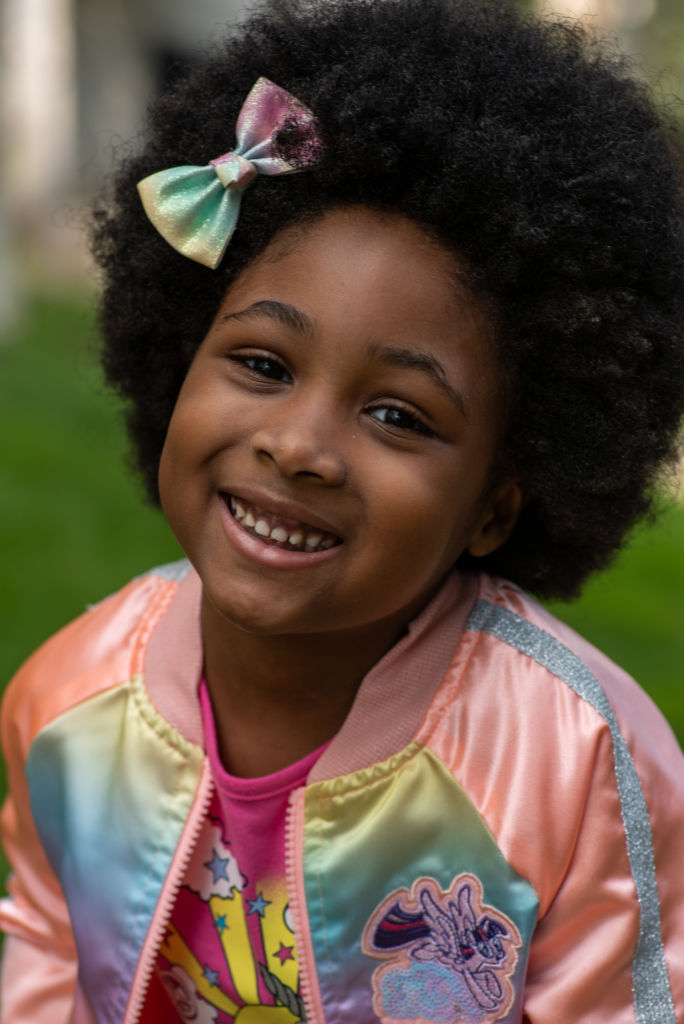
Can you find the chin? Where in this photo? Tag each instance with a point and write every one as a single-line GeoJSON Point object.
{"type": "Point", "coordinates": [257, 617]}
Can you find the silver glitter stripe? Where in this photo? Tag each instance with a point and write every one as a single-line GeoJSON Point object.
{"type": "Point", "coordinates": [174, 572]}
{"type": "Point", "coordinates": [651, 984]}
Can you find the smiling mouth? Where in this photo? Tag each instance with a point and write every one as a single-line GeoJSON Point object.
{"type": "Point", "coordinates": [276, 531]}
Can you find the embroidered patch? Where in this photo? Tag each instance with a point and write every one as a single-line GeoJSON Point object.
{"type": "Point", "coordinates": [450, 957]}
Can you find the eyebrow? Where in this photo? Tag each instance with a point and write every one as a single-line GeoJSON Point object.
{"type": "Point", "coordinates": [424, 363]}
{"type": "Point", "coordinates": [281, 312]}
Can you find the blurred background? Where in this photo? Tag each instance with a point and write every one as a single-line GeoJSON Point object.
{"type": "Point", "coordinates": [75, 77]}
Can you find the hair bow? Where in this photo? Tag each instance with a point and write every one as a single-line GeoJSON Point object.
{"type": "Point", "coordinates": [196, 208]}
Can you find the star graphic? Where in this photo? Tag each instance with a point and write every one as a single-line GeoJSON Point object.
{"type": "Point", "coordinates": [284, 953]}
{"type": "Point", "coordinates": [209, 975]}
{"type": "Point", "coordinates": [258, 906]}
{"type": "Point", "coordinates": [218, 866]}
{"type": "Point", "coordinates": [220, 924]}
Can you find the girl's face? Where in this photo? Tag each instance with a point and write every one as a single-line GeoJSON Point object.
{"type": "Point", "coordinates": [328, 457]}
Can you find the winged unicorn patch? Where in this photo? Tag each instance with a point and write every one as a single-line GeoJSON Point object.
{"type": "Point", "coordinates": [448, 956]}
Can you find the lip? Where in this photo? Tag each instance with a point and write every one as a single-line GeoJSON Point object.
{"type": "Point", "coordinates": [283, 508]}
{"type": "Point", "coordinates": [265, 554]}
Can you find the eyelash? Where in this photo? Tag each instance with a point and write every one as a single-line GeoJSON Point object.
{"type": "Point", "coordinates": [258, 364]}
{"type": "Point", "coordinates": [416, 425]}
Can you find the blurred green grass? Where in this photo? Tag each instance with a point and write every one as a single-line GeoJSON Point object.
{"type": "Point", "coordinates": [72, 518]}
{"type": "Point", "coordinates": [634, 612]}
{"type": "Point", "coordinates": [74, 526]}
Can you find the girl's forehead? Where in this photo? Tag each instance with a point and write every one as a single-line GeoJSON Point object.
{"type": "Point", "coordinates": [385, 258]}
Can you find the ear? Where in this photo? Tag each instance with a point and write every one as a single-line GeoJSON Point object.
{"type": "Point", "coordinates": [498, 519]}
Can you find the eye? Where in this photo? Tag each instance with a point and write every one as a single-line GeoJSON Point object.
{"type": "Point", "coordinates": [264, 366]}
{"type": "Point", "coordinates": [401, 419]}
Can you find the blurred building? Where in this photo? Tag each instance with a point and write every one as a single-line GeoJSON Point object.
{"type": "Point", "coordinates": [618, 16]}
{"type": "Point", "coordinates": [127, 50]}
{"type": "Point", "coordinates": [75, 78]}
{"type": "Point", "coordinates": [76, 75]}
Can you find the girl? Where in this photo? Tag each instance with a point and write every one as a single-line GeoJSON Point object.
{"type": "Point", "coordinates": [396, 308]}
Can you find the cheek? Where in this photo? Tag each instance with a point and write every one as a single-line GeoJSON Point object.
{"type": "Point", "coordinates": [193, 432]}
{"type": "Point", "coordinates": [180, 458]}
{"type": "Point", "coordinates": [170, 479]}
{"type": "Point", "coordinates": [429, 510]}
{"type": "Point", "coordinates": [166, 472]}
{"type": "Point", "coordinates": [172, 453]}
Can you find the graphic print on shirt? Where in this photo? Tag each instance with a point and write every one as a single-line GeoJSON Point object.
{"type": "Point", "coordinates": [448, 955]}
{"type": "Point", "coordinates": [228, 955]}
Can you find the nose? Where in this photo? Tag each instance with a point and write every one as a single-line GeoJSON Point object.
{"type": "Point", "coordinates": [298, 439]}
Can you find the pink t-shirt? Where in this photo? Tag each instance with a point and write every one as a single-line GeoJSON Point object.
{"type": "Point", "coordinates": [230, 943]}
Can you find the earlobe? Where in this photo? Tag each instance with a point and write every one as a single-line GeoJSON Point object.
{"type": "Point", "coordinates": [498, 521]}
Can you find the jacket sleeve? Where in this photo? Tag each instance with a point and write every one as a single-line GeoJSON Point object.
{"type": "Point", "coordinates": [609, 946]}
{"type": "Point", "coordinates": [105, 644]}
{"type": "Point", "coordinates": [581, 782]}
{"type": "Point", "coordinates": [39, 958]}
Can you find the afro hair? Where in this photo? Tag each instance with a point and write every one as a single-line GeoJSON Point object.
{"type": "Point", "coordinates": [526, 149]}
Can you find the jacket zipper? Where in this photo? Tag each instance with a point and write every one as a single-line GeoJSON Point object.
{"type": "Point", "coordinates": [167, 899]}
{"type": "Point", "coordinates": [293, 864]}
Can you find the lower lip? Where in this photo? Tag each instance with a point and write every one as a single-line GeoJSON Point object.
{"type": "Point", "coordinates": [268, 554]}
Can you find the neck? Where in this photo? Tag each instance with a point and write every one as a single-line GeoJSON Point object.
{"type": "Point", "coordinates": [276, 698]}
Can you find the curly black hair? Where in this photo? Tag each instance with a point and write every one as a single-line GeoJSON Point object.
{"type": "Point", "coordinates": [524, 147]}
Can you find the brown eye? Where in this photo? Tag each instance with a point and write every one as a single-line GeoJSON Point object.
{"type": "Point", "coordinates": [401, 419]}
{"type": "Point", "coordinates": [265, 366]}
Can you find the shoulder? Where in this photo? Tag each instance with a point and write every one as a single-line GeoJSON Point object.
{"type": "Point", "coordinates": [101, 648]}
{"type": "Point", "coordinates": [554, 739]}
{"type": "Point", "coordinates": [581, 782]}
{"type": "Point", "coordinates": [549, 658]}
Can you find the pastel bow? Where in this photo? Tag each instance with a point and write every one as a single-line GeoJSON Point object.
{"type": "Point", "coordinates": [196, 208]}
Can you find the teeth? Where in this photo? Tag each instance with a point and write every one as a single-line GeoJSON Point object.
{"type": "Point", "coordinates": [280, 534]}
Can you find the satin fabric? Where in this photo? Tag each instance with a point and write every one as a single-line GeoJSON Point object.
{"type": "Point", "coordinates": [130, 782]}
{"type": "Point", "coordinates": [378, 831]}
{"type": "Point", "coordinates": [510, 778]}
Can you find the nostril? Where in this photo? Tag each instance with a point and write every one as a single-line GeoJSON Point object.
{"type": "Point", "coordinates": [300, 451]}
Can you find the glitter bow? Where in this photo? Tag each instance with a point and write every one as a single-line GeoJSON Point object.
{"type": "Point", "coordinates": [196, 208]}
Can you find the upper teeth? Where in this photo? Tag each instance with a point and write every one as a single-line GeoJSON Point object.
{"type": "Point", "coordinates": [298, 537]}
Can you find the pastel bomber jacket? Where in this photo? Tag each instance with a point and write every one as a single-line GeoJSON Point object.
{"type": "Point", "coordinates": [496, 836]}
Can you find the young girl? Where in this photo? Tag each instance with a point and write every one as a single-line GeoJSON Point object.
{"type": "Point", "coordinates": [396, 306]}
